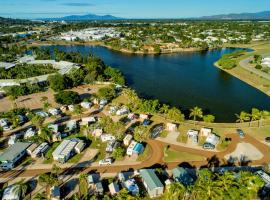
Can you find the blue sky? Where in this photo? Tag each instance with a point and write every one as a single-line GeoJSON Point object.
{"type": "Point", "coordinates": [129, 8]}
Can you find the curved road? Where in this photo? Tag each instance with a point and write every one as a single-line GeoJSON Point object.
{"type": "Point", "coordinates": [156, 159]}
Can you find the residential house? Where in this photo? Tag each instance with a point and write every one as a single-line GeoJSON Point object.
{"type": "Point", "coordinates": [40, 150]}
{"type": "Point", "coordinates": [122, 111]}
{"type": "Point", "coordinates": [87, 120]}
{"type": "Point", "coordinates": [152, 183]}
{"type": "Point", "coordinates": [31, 149]}
{"type": "Point", "coordinates": [54, 111]}
{"type": "Point", "coordinates": [79, 147]}
{"type": "Point", "coordinates": [12, 154]}
{"type": "Point", "coordinates": [193, 135]}
{"type": "Point", "coordinates": [131, 147]}
{"type": "Point", "coordinates": [31, 132]}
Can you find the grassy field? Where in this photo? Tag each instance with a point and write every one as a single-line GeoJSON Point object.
{"type": "Point", "coordinates": [145, 154]}
{"type": "Point", "coordinates": [171, 155]}
{"type": "Point", "coordinates": [247, 76]}
{"type": "Point", "coordinates": [48, 156]}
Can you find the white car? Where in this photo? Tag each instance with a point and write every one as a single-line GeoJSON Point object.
{"type": "Point", "coordinates": [106, 161]}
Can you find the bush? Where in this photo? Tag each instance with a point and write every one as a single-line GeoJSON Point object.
{"type": "Point", "coordinates": [67, 97]}
{"type": "Point", "coordinates": [258, 67]}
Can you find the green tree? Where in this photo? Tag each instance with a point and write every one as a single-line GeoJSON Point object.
{"type": "Point", "coordinates": [37, 120]}
{"type": "Point", "coordinates": [196, 112]}
{"type": "Point", "coordinates": [118, 153]}
{"type": "Point", "coordinates": [67, 97]}
{"type": "Point", "coordinates": [57, 82]}
{"type": "Point", "coordinates": [175, 115]}
{"type": "Point", "coordinates": [175, 191]}
{"type": "Point", "coordinates": [243, 117]}
{"type": "Point", "coordinates": [209, 118]}
{"type": "Point", "coordinates": [107, 93]}
{"type": "Point", "coordinates": [141, 133]}
{"type": "Point", "coordinates": [21, 188]}
{"type": "Point", "coordinates": [46, 134]}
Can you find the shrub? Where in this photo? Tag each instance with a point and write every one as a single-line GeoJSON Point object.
{"type": "Point", "coordinates": [67, 97]}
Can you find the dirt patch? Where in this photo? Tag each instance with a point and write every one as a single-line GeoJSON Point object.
{"type": "Point", "coordinates": [245, 151]}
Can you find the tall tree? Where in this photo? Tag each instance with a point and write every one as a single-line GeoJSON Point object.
{"type": "Point", "coordinates": [196, 112]}
{"type": "Point", "coordinates": [243, 117]}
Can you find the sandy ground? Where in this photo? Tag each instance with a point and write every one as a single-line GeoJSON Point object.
{"type": "Point", "coordinates": [246, 151]}
{"type": "Point", "coordinates": [33, 101]}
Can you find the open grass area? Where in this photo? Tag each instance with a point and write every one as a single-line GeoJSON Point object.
{"type": "Point", "coordinates": [258, 133]}
{"type": "Point", "coordinates": [247, 76]}
{"type": "Point", "coordinates": [76, 158]}
{"type": "Point", "coordinates": [171, 155]}
{"type": "Point", "coordinates": [145, 154]}
{"type": "Point", "coordinates": [48, 155]}
{"type": "Point", "coordinates": [97, 144]}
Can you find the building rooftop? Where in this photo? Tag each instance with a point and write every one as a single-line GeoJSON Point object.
{"type": "Point", "coordinates": [6, 65]}
{"type": "Point", "coordinates": [150, 178]}
{"type": "Point", "coordinates": [13, 151]}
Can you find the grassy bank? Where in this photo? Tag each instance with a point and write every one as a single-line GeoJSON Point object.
{"type": "Point", "coordinates": [249, 77]}
{"type": "Point", "coordinates": [170, 155]}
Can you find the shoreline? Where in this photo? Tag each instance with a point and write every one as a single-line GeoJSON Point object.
{"type": "Point", "coordinates": [239, 72]}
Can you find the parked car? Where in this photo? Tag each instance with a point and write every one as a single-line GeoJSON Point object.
{"type": "Point", "coordinates": [156, 131]}
{"type": "Point", "coordinates": [208, 146]}
{"type": "Point", "coordinates": [146, 122]}
{"type": "Point", "coordinates": [267, 139]}
{"type": "Point", "coordinates": [106, 161]}
{"type": "Point", "coordinates": [240, 133]}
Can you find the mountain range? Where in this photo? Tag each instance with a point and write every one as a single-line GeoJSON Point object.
{"type": "Point", "coordinates": [242, 16]}
{"type": "Point", "coordinates": [87, 17]}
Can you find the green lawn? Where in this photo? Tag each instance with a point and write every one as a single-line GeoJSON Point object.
{"type": "Point", "coordinates": [145, 154]}
{"type": "Point", "coordinates": [76, 158]}
{"type": "Point", "coordinates": [97, 144]}
{"type": "Point", "coordinates": [48, 155]}
{"type": "Point", "coordinates": [171, 155]}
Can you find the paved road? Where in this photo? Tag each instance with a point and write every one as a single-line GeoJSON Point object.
{"type": "Point", "coordinates": [245, 64]}
{"type": "Point", "coordinates": [156, 159]}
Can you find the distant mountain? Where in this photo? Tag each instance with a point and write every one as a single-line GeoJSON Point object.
{"type": "Point", "coordinates": [242, 16]}
{"type": "Point", "coordinates": [87, 17]}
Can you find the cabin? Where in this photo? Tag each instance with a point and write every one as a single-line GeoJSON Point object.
{"type": "Point", "coordinates": [153, 185]}
{"type": "Point", "coordinates": [204, 132]}
{"type": "Point", "coordinates": [64, 151]}
{"type": "Point", "coordinates": [127, 139]}
{"type": "Point", "coordinates": [86, 105]}
{"type": "Point", "coordinates": [40, 150]}
{"type": "Point", "coordinates": [171, 127]}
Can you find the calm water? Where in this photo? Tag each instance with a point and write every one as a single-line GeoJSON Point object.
{"type": "Point", "coordinates": [184, 80]}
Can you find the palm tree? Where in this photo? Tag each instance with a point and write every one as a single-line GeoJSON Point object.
{"type": "Point", "coordinates": [39, 196]}
{"type": "Point", "coordinates": [46, 134]}
{"type": "Point", "coordinates": [263, 115]}
{"type": "Point", "coordinates": [196, 112]}
{"type": "Point", "coordinates": [242, 117]}
{"type": "Point", "coordinates": [255, 115]}
{"type": "Point", "coordinates": [21, 188]}
{"type": "Point", "coordinates": [175, 191]}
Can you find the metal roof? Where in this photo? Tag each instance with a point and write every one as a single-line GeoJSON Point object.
{"type": "Point", "coordinates": [64, 148]}
{"type": "Point", "coordinates": [150, 178]}
{"type": "Point", "coordinates": [13, 151]}
{"type": "Point", "coordinates": [6, 65]}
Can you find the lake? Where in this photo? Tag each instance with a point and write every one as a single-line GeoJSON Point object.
{"type": "Point", "coordinates": [184, 80]}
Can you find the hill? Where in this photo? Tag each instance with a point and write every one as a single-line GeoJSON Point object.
{"type": "Point", "coordinates": [87, 17]}
{"type": "Point", "coordinates": [242, 16]}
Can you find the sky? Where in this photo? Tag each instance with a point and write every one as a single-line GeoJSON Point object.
{"type": "Point", "coordinates": [32, 9]}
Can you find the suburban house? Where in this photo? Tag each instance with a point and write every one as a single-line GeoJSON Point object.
{"type": "Point", "coordinates": [182, 175]}
{"type": "Point", "coordinates": [40, 150]}
{"type": "Point", "coordinates": [152, 183]}
{"type": "Point", "coordinates": [12, 154]}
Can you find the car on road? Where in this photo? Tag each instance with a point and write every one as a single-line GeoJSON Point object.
{"type": "Point", "coordinates": [208, 146]}
{"type": "Point", "coordinates": [267, 139]}
{"type": "Point", "coordinates": [106, 161]}
{"type": "Point", "coordinates": [240, 132]}
{"type": "Point", "coordinates": [156, 131]}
